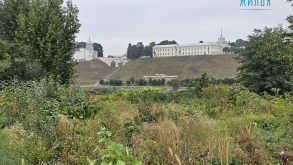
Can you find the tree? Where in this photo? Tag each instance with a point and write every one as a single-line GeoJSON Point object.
{"type": "Point", "coordinates": [166, 42]}
{"type": "Point", "coordinates": [128, 82]}
{"type": "Point", "coordinates": [135, 51]}
{"type": "Point", "coordinates": [150, 81]}
{"type": "Point", "coordinates": [261, 66]}
{"type": "Point", "coordinates": [102, 82]}
{"type": "Point", "coordinates": [132, 79]}
{"type": "Point", "coordinates": [200, 41]}
{"type": "Point", "coordinates": [196, 84]}
{"type": "Point", "coordinates": [225, 49]}
{"type": "Point", "coordinates": [47, 28]}
{"type": "Point", "coordinates": [175, 84]}
{"type": "Point", "coordinates": [81, 45]}
{"type": "Point", "coordinates": [163, 81]}
{"type": "Point", "coordinates": [232, 44]}
{"type": "Point", "coordinates": [149, 49]}
{"type": "Point", "coordinates": [239, 42]}
{"type": "Point", "coordinates": [99, 48]}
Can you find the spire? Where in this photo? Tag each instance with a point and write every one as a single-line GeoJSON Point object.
{"type": "Point", "coordinates": [89, 37]}
{"type": "Point", "coordinates": [221, 31]}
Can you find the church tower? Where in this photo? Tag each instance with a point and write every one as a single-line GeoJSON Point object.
{"type": "Point", "coordinates": [89, 44]}
{"type": "Point", "coordinates": [221, 40]}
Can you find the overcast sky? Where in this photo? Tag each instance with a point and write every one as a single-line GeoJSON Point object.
{"type": "Point", "coordinates": [116, 23]}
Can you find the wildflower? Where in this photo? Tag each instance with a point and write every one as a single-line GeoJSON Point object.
{"type": "Point", "coordinates": [290, 103]}
{"type": "Point", "coordinates": [154, 142]}
{"type": "Point", "coordinates": [34, 82]}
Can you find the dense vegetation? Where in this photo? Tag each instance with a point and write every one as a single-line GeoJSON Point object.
{"type": "Point", "coordinates": [51, 123]}
{"type": "Point", "coordinates": [37, 39]}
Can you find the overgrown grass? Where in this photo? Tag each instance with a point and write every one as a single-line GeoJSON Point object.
{"type": "Point", "coordinates": [46, 122]}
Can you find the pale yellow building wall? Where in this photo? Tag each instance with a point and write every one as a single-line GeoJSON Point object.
{"type": "Point", "coordinates": [187, 51]}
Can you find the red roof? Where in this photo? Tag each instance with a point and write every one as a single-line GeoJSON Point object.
{"type": "Point", "coordinates": [124, 55]}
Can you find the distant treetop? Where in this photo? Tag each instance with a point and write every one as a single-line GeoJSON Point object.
{"type": "Point", "coordinates": [166, 42]}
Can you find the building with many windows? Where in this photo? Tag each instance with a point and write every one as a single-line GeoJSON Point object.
{"type": "Point", "coordinates": [206, 48]}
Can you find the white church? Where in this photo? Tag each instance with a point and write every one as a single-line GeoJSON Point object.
{"type": "Point", "coordinates": [206, 48]}
{"type": "Point", "coordinates": [86, 54]}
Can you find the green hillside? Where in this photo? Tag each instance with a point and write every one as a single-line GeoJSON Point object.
{"type": "Point", "coordinates": [90, 72]}
{"type": "Point", "coordinates": [217, 66]}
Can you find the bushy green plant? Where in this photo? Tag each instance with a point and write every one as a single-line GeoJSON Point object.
{"type": "Point", "coordinates": [113, 153]}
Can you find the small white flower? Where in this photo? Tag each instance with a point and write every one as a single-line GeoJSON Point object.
{"type": "Point", "coordinates": [282, 153]}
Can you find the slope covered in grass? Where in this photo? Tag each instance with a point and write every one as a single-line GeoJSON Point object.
{"type": "Point", "coordinates": [217, 66]}
{"type": "Point", "coordinates": [90, 72]}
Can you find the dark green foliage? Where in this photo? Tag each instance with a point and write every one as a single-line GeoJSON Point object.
{"type": "Point", "coordinates": [99, 48]}
{"type": "Point", "coordinates": [163, 81]}
{"type": "Point", "coordinates": [142, 82]}
{"type": "Point", "coordinates": [226, 81]}
{"type": "Point", "coordinates": [184, 81]}
{"type": "Point", "coordinates": [102, 82]}
{"type": "Point", "coordinates": [166, 42]}
{"type": "Point", "coordinates": [81, 45]}
{"type": "Point", "coordinates": [150, 81]}
{"type": "Point", "coordinates": [115, 82]}
{"type": "Point", "coordinates": [29, 23]}
{"type": "Point", "coordinates": [132, 79]}
{"type": "Point", "coordinates": [135, 51]}
{"type": "Point", "coordinates": [200, 41]}
{"type": "Point", "coordinates": [260, 70]}
{"type": "Point", "coordinates": [128, 82]}
{"type": "Point", "coordinates": [149, 49]}
{"type": "Point", "coordinates": [196, 84]}
{"type": "Point", "coordinates": [155, 82]}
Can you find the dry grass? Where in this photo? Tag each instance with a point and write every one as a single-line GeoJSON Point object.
{"type": "Point", "coordinates": [217, 66]}
{"type": "Point", "coordinates": [90, 72]}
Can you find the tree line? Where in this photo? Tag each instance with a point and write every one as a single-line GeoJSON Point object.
{"type": "Point", "coordinates": [139, 50]}
{"type": "Point", "coordinates": [235, 47]}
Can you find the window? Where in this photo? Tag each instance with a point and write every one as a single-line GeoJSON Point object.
{"type": "Point", "coordinates": [200, 52]}
{"type": "Point", "coordinates": [208, 52]}
{"type": "Point", "coordinates": [208, 48]}
{"type": "Point", "coordinates": [204, 48]}
{"type": "Point", "coordinates": [200, 48]}
{"type": "Point", "coordinates": [194, 53]}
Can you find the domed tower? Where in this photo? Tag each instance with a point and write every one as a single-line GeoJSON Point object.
{"type": "Point", "coordinates": [89, 44]}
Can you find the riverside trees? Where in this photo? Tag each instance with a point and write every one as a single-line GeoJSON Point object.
{"type": "Point", "coordinates": [44, 33]}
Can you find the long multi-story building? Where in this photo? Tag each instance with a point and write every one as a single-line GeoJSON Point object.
{"type": "Point", "coordinates": [206, 48]}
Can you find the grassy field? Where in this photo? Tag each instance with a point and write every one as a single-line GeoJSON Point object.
{"type": "Point", "coordinates": [217, 66]}
{"type": "Point", "coordinates": [49, 123]}
{"type": "Point", "coordinates": [90, 72]}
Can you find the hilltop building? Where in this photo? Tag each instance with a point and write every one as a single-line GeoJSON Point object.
{"type": "Point", "coordinates": [206, 48]}
{"type": "Point", "coordinates": [86, 54]}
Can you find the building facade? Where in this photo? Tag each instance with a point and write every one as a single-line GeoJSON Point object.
{"type": "Point", "coordinates": [206, 48]}
{"type": "Point", "coordinates": [86, 54]}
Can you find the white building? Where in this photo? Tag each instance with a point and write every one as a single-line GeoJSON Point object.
{"type": "Point", "coordinates": [206, 48]}
{"type": "Point", "coordinates": [86, 54]}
